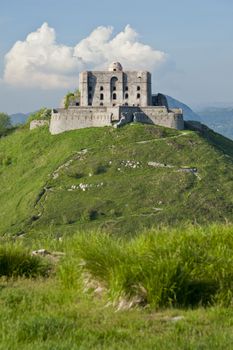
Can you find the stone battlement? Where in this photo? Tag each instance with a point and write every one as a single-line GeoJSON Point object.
{"type": "Point", "coordinates": [78, 118]}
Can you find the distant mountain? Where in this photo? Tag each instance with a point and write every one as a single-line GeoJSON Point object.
{"type": "Point", "coordinates": [19, 118]}
{"type": "Point", "coordinates": [189, 114]}
{"type": "Point", "coordinates": [219, 119]}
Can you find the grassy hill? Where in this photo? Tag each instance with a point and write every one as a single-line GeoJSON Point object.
{"type": "Point", "coordinates": [121, 180]}
{"type": "Point", "coordinates": [171, 288]}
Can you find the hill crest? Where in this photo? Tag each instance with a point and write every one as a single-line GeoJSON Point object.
{"type": "Point", "coordinates": [117, 180]}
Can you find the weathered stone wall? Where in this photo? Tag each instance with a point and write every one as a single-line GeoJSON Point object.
{"type": "Point", "coordinates": [100, 88]}
{"type": "Point", "coordinates": [78, 118]}
{"type": "Point", "coordinates": [155, 115]}
{"type": "Point", "coordinates": [85, 117]}
{"type": "Point", "coordinates": [164, 117]}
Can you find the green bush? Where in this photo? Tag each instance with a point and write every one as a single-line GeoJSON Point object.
{"type": "Point", "coordinates": [182, 267]}
{"type": "Point", "coordinates": [42, 114]}
{"type": "Point", "coordinates": [5, 124]}
{"type": "Point", "coordinates": [15, 261]}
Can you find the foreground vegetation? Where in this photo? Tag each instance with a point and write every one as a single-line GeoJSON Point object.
{"type": "Point", "coordinates": [41, 315]}
{"type": "Point", "coordinates": [100, 204]}
{"type": "Point", "coordinates": [164, 289]}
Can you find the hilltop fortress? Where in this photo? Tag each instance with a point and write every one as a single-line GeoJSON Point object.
{"type": "Point", "coordinates": [115, 97]}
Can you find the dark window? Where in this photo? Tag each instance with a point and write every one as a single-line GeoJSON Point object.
{"type": "Point", "coordinates": [89, 95]}
{"type": "Point", "coordinates": [113, 83]}
{"type": "Point", "coordinates": [101, 96]}
{"type": "Point", "coordinates": [101, 104]}
{"type": "Point", "coordinates": [77, 103]}
{"type": "Point", "coordinates": [126, 88]}
{"type": "Point", "coordinates": [89, 104]}
{"type": "Point", "coordinates": [89, 88]}
{"type": "Point", "coordinates": [114, 70]}
{"type": "Point", "coordinates": [114, 96]}
{"type": "Point", "coordinates": [138, 88]}
{"type": "Point", "coordinates": [138, 95]}
{"type": "Point", "coordinates": [114, 105]}
{"type": "Point", "coordinates": [101, 88]}
{"type": "Point", "coordinates": [126, 95]}
{"type": "Point", "coordinates": [126, 104]}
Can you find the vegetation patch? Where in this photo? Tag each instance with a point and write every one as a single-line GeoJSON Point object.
{"type": "Point", "coordinates": [16, 261]}
{"type": "Point", "coordinates": [163, 268]}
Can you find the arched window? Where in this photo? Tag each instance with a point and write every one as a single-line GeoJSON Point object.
{"type": "Point", "coordinates": [101, 97]}
{"type": "Point", "coordinates": [126, 96]}
{"type": "Point", "coordinates": [138, 95]}
{"type": "Point", "coordinates": [114, 96]}
{"type": "Point", "coordinates": [113, 84]}
{"type": "Point", "coordinates": [138, 88]}
{"type": "Point", "coordinates": [101, 88]}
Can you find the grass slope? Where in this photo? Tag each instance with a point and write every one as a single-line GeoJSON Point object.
{"type": "Point", "coordinates": [38, 315]}
{"type": "Point", "coordinates": [100, 178]}
{"type": "Point", "coordinates": [184, 277]}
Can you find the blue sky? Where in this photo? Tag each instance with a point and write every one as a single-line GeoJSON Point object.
{"type": "Point", "coordinates": [195, 36]}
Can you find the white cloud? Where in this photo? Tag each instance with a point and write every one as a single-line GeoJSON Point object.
{"type": "Point", "coordinates": [40, 61]}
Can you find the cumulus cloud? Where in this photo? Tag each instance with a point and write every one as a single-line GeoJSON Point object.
{"type": "Point", "coordinates": [40, 61]}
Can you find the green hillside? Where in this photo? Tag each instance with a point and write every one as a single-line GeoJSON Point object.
{"type": "Point", "coordinates": [120, 180]}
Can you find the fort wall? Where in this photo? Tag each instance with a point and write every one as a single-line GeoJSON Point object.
{"type": "Point", "coordinates": [86, 117]}
{"type": "Point", "coordinates": [78, 118]}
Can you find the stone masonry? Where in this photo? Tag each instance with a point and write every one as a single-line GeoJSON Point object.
{"type": "Point", "coordinates": [115, 97]}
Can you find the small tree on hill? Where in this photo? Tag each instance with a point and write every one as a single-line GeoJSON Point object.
{"type": "Point", "coordinates": [5, 123]}
{"type": "Point", "coordinates": [71, 97]}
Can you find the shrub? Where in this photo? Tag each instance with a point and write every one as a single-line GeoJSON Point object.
{"type": "Point", "coordinates": [42, 114]}
{"type": "Point", "coordinates": [100, 169]}
{"type": "Point", "coordinates": [185, 267]}
{"type": "Point", "coordinates": [5, 124]}
{"type": "Point", "coordinates": [16, 261]}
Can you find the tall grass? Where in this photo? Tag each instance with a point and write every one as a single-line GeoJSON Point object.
{"type": "Point", "coordinates": [179, 267]}
{"type": "Point", "coordinates": [16, 261]}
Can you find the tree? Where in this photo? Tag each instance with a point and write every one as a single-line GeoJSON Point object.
{"type": "Point", "coordinates": [71, 97]}
{"type": "Point", "coordinates": [43, 114]}
{"type": "Point", "coordinates": [5, 123]}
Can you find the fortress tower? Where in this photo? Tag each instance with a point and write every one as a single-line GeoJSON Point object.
{"type": "Point", "coordinates": [115, 87]}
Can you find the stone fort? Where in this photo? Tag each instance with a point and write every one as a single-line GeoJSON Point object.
{"type": "Point", "coordinates": [115, 97]}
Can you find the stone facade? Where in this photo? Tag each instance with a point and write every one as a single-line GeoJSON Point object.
{"type": "Point", "coordinates": [115, 97]}
{"type": "Point", "coordinates": [115, 87]}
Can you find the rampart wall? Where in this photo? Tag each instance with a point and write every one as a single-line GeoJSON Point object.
{"type": "Point", "coordinates": [78, 118]}
{"type": "Point", "coordinates": [85, 117]}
